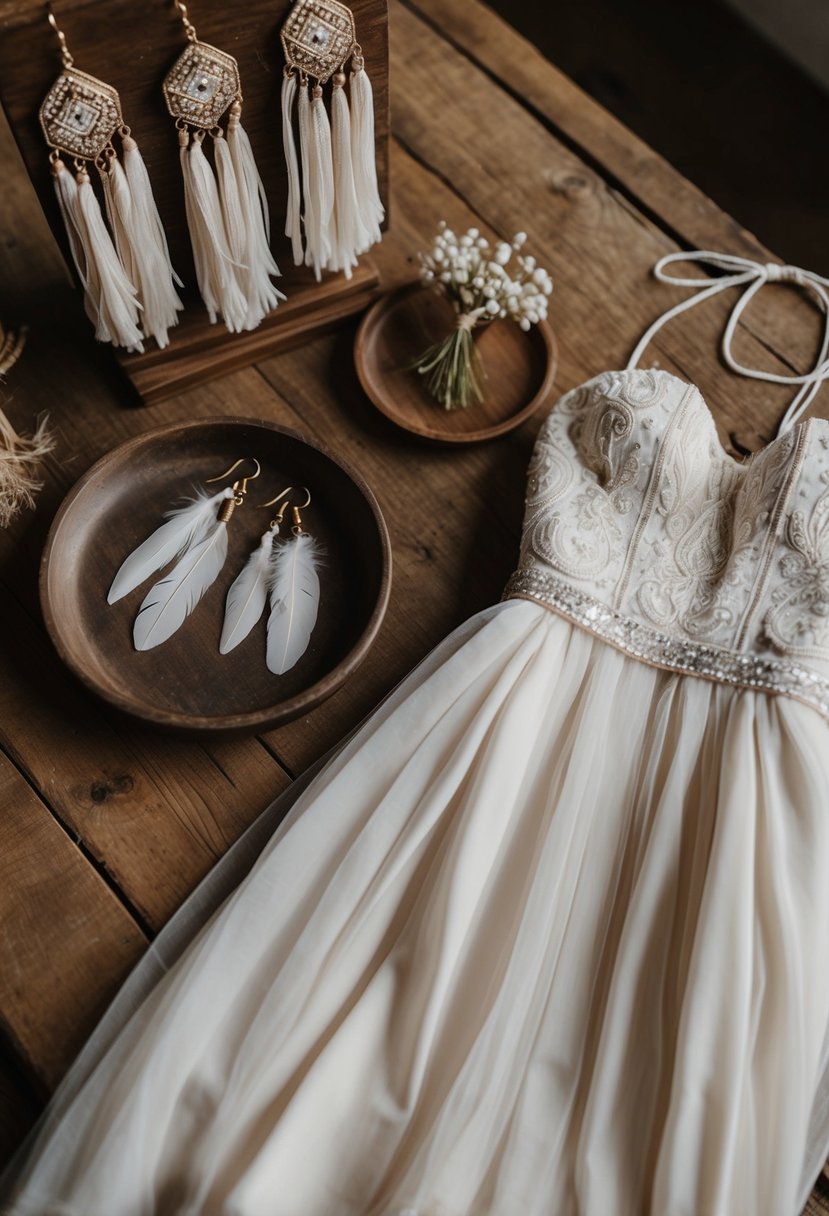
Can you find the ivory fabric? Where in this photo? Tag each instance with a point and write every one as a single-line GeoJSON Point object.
{"type": "Point", "coordinates": [549, 933]}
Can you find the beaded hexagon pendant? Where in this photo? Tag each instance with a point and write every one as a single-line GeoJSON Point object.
{"type": "Point", "coordinates": [318, 38]}
{"type": "Point", "coordinates": [201, 85]}
{"type": "Point", "coordinates": [126, 273]}
{"type": "Point", "coordinates": [80, 115]}
{"type": "Point", "coordinates": [227, 211]}
{"type": "Point", "coordinates": [334, 208]}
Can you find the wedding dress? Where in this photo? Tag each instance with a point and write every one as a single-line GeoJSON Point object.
{"type": "Point", "coordinates": [549, 934]}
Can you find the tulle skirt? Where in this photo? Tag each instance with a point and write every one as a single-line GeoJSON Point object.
{"type": "Point", "coordinates": [547, 937]}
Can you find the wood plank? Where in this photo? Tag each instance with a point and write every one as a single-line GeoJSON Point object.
{"type": "Point", "coordinates": [600, 248]}
{"type": "Point", "coordinates": [67, 941]}
{"type": "Point", "coordinates": [155, 812]}
{"type": "Point", "coordinates": [818, 1202]}
{"type": "Point", "coordinates": [476, 31]}
{"type": "Point", "coordinates": [688, 216]}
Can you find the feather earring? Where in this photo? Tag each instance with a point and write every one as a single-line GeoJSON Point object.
{"type": "Point", "coordinates": [342, 210]}
{"type": "Point", "coordinates": [195, 537]}
{"type": "Point", "coordinates": [287, 573]}
{"type": "Point", "coordinates": [125, 270]}
{"type": "Point", "coordinates": [225, 204]}
{"type": "Point", "coordinates": [294, 596]}
{"type": "Point", "coordinates": [248, 595]}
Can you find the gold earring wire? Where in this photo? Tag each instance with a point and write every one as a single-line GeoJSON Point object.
{"type": "Point", "coordinates": [240, 487]}
{"type": "Point", "coordinates": [285, 493]}
{"type": "Point", "coordinates": [65, 55]}
{"type": "Point", "coordinates": [189, 28]}
{"type": "Point", "coordinates": [295, 509]}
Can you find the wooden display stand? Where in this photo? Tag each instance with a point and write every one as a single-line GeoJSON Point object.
{"type": "Point", "coordinates": [131, 45]}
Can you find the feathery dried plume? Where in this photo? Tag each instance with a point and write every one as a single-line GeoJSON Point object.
{"type": "Point", "coordinates": [20, 455]}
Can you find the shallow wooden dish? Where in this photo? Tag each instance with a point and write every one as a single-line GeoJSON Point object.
{"type": "Point", "coordinates": [521, 368]}
{"type": "Point", "coordinates": [185, 684]}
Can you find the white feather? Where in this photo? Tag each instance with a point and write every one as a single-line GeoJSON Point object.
{"type": "Point", "coordinates": [247, 597]}
{"type": "Point", "coordinates": [183, 527]}
{"type": "Point", "coordinates": [170, 602]}
{"type": "Point", "coordinates": [295, 599]}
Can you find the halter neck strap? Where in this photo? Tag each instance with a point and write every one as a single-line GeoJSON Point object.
{"type": "Point", "coordinates": [750, 276]}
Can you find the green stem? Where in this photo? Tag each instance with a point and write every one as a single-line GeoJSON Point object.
{"type": "Point", "coordinates": [453, 371]}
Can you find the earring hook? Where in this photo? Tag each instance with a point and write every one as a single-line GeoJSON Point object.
{"type": "Point", "coordinates": [291, 490]}
{"type": "Point", "coordinates": [66, 58]}
{"type": "Point", "coordinates": [241, 486]}
{"type": "Point", "coordinates": [189, 28]}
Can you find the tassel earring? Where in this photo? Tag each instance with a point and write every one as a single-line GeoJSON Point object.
{"type": "Point", "coordinates": [126, 276]}
{"type": "Point", "coordinates": [196, 535]}
{"type": "Point", "coordinates": [287, 572]}
{"type": "Point", "coordinates": [226, 207]}
{"type": "Point", "coordinates": [334, 210]}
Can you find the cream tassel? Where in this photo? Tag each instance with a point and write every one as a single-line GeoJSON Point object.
{"type": "Point", "coordinates": [369, 204]}
{"type": "Point", "coordinates": [293, 221]}
{"type": "Point", "coordinates": [118, 207]}
{"type": "Point", "coordinates": [350, 235]}
{"type": "Point", "coordinates": [308, 196]}
{"type": "Point", "coordinates": [202, 275]}
{"type": "Point", "coordinates": [214, 265]}
{"type": "Point", "coordinates": [143, 262]}
{"type": "Point", "coordinates": [321, 185]}
{"type": "Point", "coordinates": [66, 189]}
{"type": "Point", "coordinates": [262, 295]}
{"type": "Point", "coordinates": [230, 202]}
{"type": "Point", "coordinates": [112, 295]}
{"type": "Point", "coordinates": [150, 251]}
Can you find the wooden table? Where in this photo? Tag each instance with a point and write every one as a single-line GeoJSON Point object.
{"type": "Point", "coordinates": [106, 826]}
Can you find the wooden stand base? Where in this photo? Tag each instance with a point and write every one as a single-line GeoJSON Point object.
{"type": "Point", "coordinates": [199, 351]}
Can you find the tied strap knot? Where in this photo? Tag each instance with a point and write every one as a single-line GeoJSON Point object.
{"type": "Point", "coordinates": [749, 276]}
{"type": "Point", "coordinates": [775, 273]}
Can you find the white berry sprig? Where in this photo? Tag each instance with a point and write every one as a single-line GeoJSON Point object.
{"type": "Point", "coordinates": [483, 284]}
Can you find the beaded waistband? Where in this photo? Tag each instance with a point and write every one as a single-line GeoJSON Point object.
{"type": "Point", "coordinates": [671, 654]}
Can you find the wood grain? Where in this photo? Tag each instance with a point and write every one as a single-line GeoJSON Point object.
{"type": "Point", "coordinates": [50, 1001]}
{"type": "Point", "coordinates": [485, 133]}
{"type": "Point", "coordinates": [658, 191]}
{"type": "Point", "coordinates": [132, 46]}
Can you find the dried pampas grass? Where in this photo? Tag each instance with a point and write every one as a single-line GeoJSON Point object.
{"type": "Point", "coordinates": [20, 455]}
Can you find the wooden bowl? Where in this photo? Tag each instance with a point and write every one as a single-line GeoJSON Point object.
{"type": "Point", "coordinates": [185, 684]}
{"type": "Point", "coordinates": [520, 367]}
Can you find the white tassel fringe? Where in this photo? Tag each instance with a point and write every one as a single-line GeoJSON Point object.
{"type": "Point", "coordinates": [145, 262]}
{"type": "Point", "coordinates": [257, 260]}
{"type": "Point", "coordinates": [369, 205]}
{"type": "Point", "coordinates": [308, 195]}
{"type": "Point", "coordinates": [215, 270]}
{"type": "Point", "coordinates": [320, 186]}
{"type": "Point", "coordinates": [334, 211]}
{"type": "Point", "coordinates": [350, 236]}
{"type": "Point", "coordinates": [293, 220]}
{"type": "Point", "coordinates": [112, 297]}
{"type": "Point", "coordinates": [155, 276]}
{"type": "Point", "coordinates": [230, 202]}
{"type": "Point", "coordinates": [66, 189]}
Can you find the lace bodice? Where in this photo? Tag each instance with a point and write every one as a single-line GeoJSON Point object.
{"type": "Point", "coordinates": [640, 527]}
